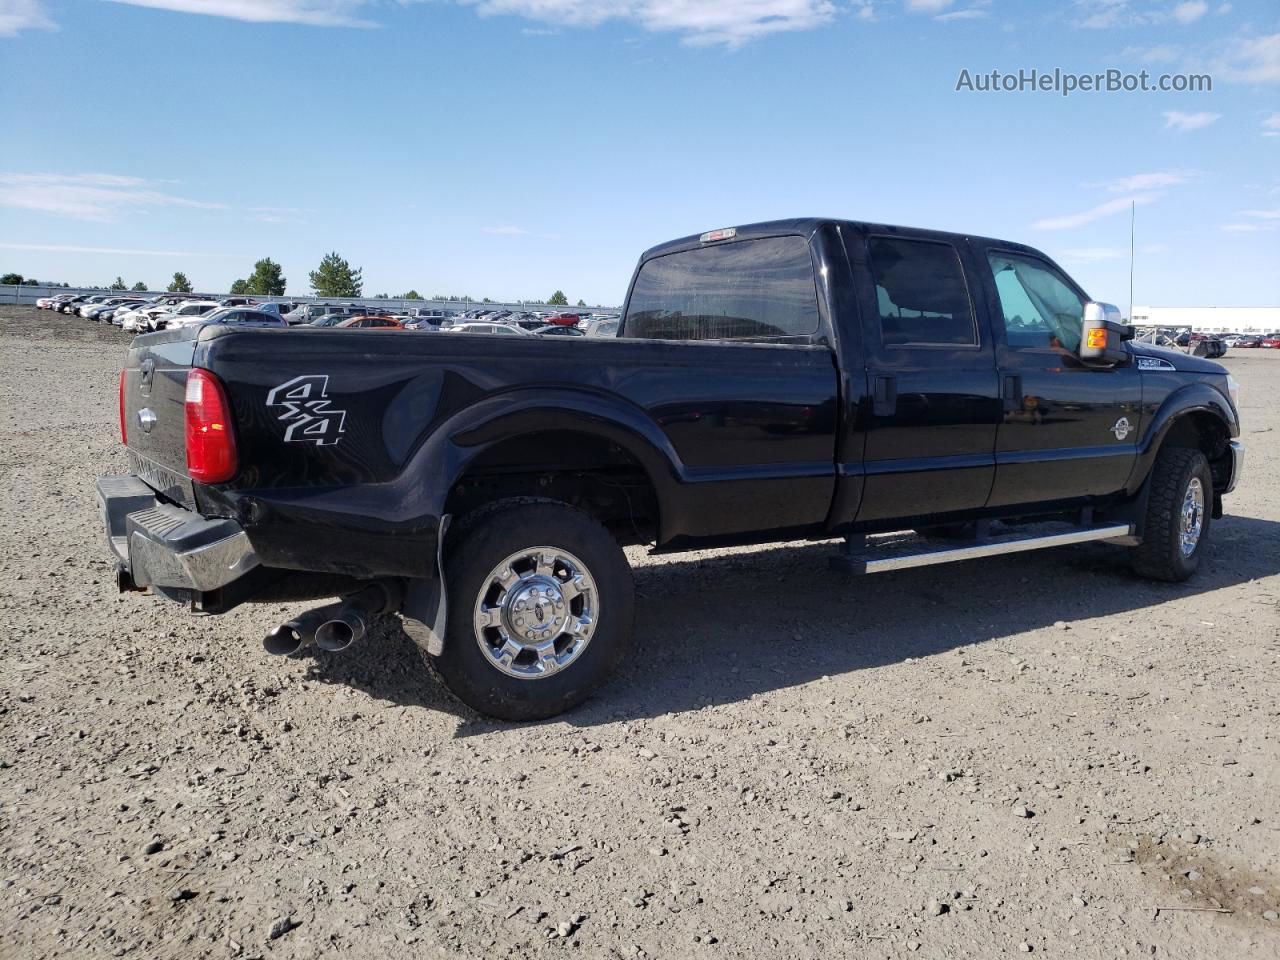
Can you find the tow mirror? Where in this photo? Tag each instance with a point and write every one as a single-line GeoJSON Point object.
{"type": "Point", "coordinates": [1103, 335]}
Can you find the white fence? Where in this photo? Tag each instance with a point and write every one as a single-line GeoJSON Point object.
{"type": "Point", "coordinates": [28, 295]}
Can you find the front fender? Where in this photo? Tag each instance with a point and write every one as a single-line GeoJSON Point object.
{"type": "Point", "coordinates": [1193, 398]}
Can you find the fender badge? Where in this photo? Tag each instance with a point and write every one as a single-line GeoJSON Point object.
{"type": "Point", "coordinates": [307, 413]}
{"type": "Point", "coordinates": [1122, 428]}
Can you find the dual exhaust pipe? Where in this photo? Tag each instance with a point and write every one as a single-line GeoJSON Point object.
{"type": "Point", "coordinates": [335, 626]}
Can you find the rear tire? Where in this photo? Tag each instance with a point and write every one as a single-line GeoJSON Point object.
{"type": "Point", "coordinates": [544, 579]}
{"type": "Point", "coordinates": [1178, 516]}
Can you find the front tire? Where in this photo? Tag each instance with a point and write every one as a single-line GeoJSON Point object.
{"type": "Point", "coordinates": [541, 604]}
{"type": "Point", "coordinates": [1178, 516]}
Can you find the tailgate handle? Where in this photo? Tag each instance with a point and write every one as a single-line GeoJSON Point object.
{"type": "Point", "coordinates": [884, 396]}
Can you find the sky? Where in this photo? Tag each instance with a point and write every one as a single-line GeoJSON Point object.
{"type": "Point", "coordinates": [509, 148]}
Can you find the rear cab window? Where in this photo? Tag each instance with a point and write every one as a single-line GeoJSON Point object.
{"type": "Point", "coordinates": [756, 290]}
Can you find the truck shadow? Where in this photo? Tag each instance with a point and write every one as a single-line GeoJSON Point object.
{"type": "Point", "coordinates": [728, 628]}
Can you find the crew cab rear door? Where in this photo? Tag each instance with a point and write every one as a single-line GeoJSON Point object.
{"type": "Point", "coordinates": [931, 376]}
{"type": "Point", "coordinates": [1068, 431]}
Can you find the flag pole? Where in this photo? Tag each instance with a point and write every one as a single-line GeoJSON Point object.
{"type": "Point", "coordinates": [1133, 213]}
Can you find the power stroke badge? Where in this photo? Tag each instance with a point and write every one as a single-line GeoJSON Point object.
{"type": "Point", "coordinates": [307, 410]}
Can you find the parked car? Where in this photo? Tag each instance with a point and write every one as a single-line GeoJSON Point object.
{"type": "Point", "coordinates": [230, 316]}
{"type": "Point", "coordinates": [496, 329]}
{"type": "Point", "coordinates": [308, 312]}
{"type": "Point", "coordinates": [1270, 342]}
{"type": "Point", "coordinates": [752, 402]}
{"type": "Point", "coordinates": [88, 303]}
{"type": "Point", "coordinates": [95, 311]}
{"type": "Point", "coordinates": [238, 301]}
{"type": "Point", "coordinates": [72, 304]}
{"type": "Point", "coordinates": [564, 319]}
{"type": "Point", "coordinates": [552, 330]}
{"type": "Point", "coordinates": [107, 312]}
{"type": "Point", "coordinates": [371, 322]}
{"type": "Point", "coordinates": [178, 316]}
{"type": "Point", "coordinates": [279, 308]}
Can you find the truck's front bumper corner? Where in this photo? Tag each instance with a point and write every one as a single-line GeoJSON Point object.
{"type": "Point", "coordinates": [166, 546]}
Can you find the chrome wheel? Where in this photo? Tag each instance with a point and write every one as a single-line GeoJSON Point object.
{"type": "Point", "coordinates": [535, 612]}
{"type": "Point", "coordinates": [1191, 521]}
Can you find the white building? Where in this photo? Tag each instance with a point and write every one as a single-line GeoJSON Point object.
{"type": "Point", "coordinates": [1210, 319]}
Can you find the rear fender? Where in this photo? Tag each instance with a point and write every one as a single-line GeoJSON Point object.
{"type": "Point", "coordinates": [456, 444]}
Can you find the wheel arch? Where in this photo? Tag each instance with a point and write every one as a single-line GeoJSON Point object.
{"type": "Point", "coordinates": [590, 450]}
{"type": "Point", "coordinates": [1196, 416]}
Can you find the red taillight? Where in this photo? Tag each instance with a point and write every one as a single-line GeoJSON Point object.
{"type": "Point", "coordinates": [124, 436]}
{"type": "Point", "coordinates": [211, 442]}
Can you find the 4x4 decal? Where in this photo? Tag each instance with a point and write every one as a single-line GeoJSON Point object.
{"type": "Point", "coordinates": [307, 412]}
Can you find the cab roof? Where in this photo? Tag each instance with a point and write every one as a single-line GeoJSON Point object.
{"type": "Point", "coordinates": [807, 226]}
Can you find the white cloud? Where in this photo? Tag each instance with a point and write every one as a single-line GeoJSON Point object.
{"type": "Point", "coordinates": [1255, 61]}
{"type": "Point", "coordinates": [316, 13]}
{"type": "Point", "coordinates": [1150, 181]}
{"type": "Point", "coordinates": [1271, 126]}
{"type": "Point", "coordinates": [19, 15]}
{"type": "Point", "coordinates": [1161, 53]}
{"type": "Point", "coordinates": [1186, 122]}
{"type": "Point", "coordinates": [1101, 14]}
{"type": "Point", "coordinates": [701, 21]}
{"type": "Point", "coordinates": [1191, 11]}
{"type": "Point", "coordinates": [507, 231]}
{"type": "Point", "coordinates": [1093, 213]}
{"type": "Point", "coordinates": [114, 251]}
{"type": "Point", "coordinates": [1247, 227]}
{"type": "Point", "coordinates": [1262, 214]}
{"type": "Point", "coordinates": [730, 22]}
{"type": "Point", "coordinates": [969, 13]}
{"type": "Point", "coordinates": [927, 6]}
{"type": "Point", "coordinates": [101, 197]}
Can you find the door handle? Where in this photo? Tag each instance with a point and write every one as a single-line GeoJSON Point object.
{"type": "Point", "coordinates": [1011, 392]}
{"type": "Point", "coordinates": [884, 396]}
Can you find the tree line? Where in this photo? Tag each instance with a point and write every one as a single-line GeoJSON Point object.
{"type": "Point", "coordinates": [334, 277]}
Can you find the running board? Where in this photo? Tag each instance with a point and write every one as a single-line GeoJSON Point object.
{"type": "Point", "coordinates": [901, 552]}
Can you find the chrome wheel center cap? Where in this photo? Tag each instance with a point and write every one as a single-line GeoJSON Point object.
{"type": "Point", "coordinates": [535, 609]}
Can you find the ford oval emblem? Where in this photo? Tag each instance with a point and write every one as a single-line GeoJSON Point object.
{"type": "Point", "coordinates": [146, 419]}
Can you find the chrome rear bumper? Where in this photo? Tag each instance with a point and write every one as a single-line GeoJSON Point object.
{"type": "Point", "coordinates": [163, 545]}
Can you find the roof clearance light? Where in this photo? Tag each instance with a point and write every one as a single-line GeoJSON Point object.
{"type": "Point", "coordinates": [728, 233]}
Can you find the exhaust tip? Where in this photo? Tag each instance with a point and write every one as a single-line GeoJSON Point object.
{"type": "Point", "coordinates": [338, 634]}
{"type": "Point", "coordinates": [283, 640]}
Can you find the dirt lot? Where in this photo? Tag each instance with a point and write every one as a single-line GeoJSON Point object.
{"type": "Point", "coordinates": [1034, 754]}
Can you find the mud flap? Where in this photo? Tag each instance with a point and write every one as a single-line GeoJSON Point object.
{"type": "Point", "coordinates": [425, 608]}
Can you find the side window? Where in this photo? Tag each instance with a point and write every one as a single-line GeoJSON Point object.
{"type": "Point", "coordinates": [921, 294]}
{"type": "Point", "coordinates": [746, 290]}
{"type": "Point", "coordinates": [1040, 310]}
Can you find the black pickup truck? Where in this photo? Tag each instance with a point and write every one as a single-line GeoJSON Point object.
{"type": "Point", "coordinates": [921, 396]}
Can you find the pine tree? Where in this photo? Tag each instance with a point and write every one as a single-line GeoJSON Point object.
{"type": "Point", "coordinates": [335, 278]}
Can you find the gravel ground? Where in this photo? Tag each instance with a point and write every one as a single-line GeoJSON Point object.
{"type": "Point", "coordinates": [1036, 754]}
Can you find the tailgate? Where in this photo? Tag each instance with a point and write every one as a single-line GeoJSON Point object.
{"type": "Point", "coordinates": [153, 411]}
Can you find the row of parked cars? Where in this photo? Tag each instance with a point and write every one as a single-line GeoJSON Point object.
{"type": "Point", "coordinates": [1267, 341]}
{"type": "Point", "coordinates": [135, 314]}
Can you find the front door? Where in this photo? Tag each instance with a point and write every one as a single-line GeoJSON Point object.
{"type": "Point", "coordinates": [1068, 430]}
{"type": "Point", "coordinates": [930, 366]}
